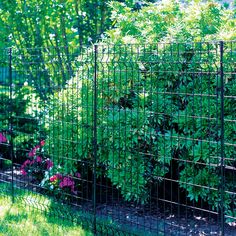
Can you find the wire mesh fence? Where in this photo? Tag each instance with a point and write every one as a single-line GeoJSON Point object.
{"type": "Point", "coordinates": [129, 139]}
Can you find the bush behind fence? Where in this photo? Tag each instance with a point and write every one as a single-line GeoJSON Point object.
{"type": "Point", "coordinates": [147, 128]}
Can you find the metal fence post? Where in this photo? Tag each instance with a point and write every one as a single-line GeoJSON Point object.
{"type": "Point", "coordinates": [95, 138]}
{"type": "Point", "coordinates": [10, 123]}
{"type": "Point", "coordinates": [222, 141]}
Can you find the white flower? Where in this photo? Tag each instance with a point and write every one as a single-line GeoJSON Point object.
{"type": "Point", "coordinates": [51, 36]}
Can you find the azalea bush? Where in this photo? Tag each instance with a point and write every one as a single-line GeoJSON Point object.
{"type": "Point", "coordinates": [37, 164]}
{"type": "Point", "coordinates": [40, 168]}
{"type": "Point", "coordinates": [4, 149]}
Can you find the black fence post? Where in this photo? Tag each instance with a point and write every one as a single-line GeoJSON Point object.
{"type": "Point", "coordinates": [222, 141]}
{"type": "Point", "coordinates": [95, 139]}
{"type": "Point", "coordinates": [10, 124]}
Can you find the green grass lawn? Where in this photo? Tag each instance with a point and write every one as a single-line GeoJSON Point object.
{"type": "Point", "coordinates": [34, 214]}
{"type": "Point", "coordinates": [18, 219]}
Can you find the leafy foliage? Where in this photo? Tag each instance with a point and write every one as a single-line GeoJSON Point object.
{"type": "Point", "coordinates": [146, 101]}
{"type": "Point", "coordinates": [23, 112]}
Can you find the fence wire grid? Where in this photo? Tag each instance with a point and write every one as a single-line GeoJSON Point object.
{"type": "Point", "coordinates": [123, 139]}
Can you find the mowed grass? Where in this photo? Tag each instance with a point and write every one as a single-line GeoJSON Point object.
{"type": "Point", "coordinates": [19, 220]}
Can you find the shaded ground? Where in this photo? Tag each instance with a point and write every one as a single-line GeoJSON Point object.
{"type": "Point", "coordinates": [166, 224]}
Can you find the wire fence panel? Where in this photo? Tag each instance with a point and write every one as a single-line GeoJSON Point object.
{"type": "Point", "coordinates": [5, 114]}
{"type": "Point", "coordinates": [127, 139]}
{"type": "Point", "coordinates": [229, 66]}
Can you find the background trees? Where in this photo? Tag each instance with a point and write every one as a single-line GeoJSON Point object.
{"type": "Point", "coordinates": [32, 27]}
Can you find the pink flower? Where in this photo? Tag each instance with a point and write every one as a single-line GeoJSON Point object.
{"type": "Point", "coordinates": [27, 162]}
{"type": "Point", "coordinates": [23, 172]}
{"type": "Point", "coordinates": [67, 182]}
{"type": "Point", "coordinates": [32, 152]}
{"type": "Point", "coordinates": [42, 143]}
{"type": "Point", "coordinates": [53, 178]}
{"type": "Point", "coordinates": [78, 175]}
{"type": "Point", "coordinates": [3, 139]}
{"type": "Point", "coordinates": [56, 177]}
{"type": "Point", "coordinates": [49, 164]}
{"type": "Point", "coordinates": [39, 159]}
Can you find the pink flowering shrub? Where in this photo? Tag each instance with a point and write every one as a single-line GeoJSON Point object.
{"type": "Point", "coordinates": [34, 150]}
{"type": "Point", "coordinates": [40, 169]}
{"type": "Point", "coordinates": [37, 165]}
{"type": "Point", "coordinates": [4, 151]}
{"type": "Point", "coordinates": [3, 139]}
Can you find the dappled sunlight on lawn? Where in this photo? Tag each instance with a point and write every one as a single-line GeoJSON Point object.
{"type": "Point", "coordinates": [18, 219]}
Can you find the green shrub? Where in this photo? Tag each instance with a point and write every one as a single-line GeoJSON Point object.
{"type": "Point", "coordinates": [157, 103]}
{"type": "Point", "coordinates": [21, 111]}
